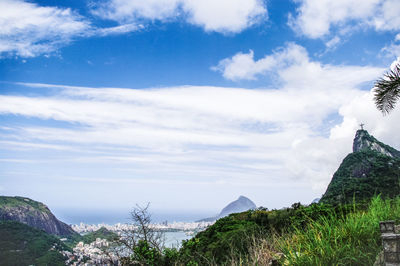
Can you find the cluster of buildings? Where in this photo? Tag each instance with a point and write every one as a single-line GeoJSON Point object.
{"type": "Point", "coordinates": [94, 253]}
{"type": "Point", "coordinates": [119, 227]}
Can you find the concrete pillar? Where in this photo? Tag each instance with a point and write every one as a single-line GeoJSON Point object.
{"type": "Point", "coordinates": [391, 243]}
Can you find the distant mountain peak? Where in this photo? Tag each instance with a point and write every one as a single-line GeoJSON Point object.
{"type": "Point", "coordinates": [240, 205]}
{"type": "Point", "coordinates": [364, 141]}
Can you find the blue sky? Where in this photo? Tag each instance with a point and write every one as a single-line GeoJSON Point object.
{"type": "Point", "coordinates": [187, 104]}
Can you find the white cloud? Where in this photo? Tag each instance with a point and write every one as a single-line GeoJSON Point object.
{"type": "Point", "coordinates": [332, 43]}
{"type": "Point", "coordinates": [316, 18]}
{"type": "Point", "coordinates": [310, 155]}
{"type": "Point", "coordinates": [235, 136]}
{"type": "Point", "coordinates": [295, 134]}
{"type": "Point", "coordinates": [391, 50]}
{"type": "Point", "coordinates": [394, 64]}
{"type": "Point", "coordinates": [226, 16]}
{"type": "Point", "coordinates": [128, 10]}
{"type": "Point", "coordinates": [388, 16]}
{"type": "Point", "coordinates": [27, 29]}
{"type": "Point", "coordinates": [293, 66]}
{"type": "Point", "coordinates": [121, 29]}
{"type": "Point", "coordinates": [243, 66]}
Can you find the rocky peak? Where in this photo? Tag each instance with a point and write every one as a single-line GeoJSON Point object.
{"type": "Point", "coordinates": [372, 168]}
{"type": "Point", "coordinates": [240, 205]}
{"type": "Point", "coordinates": [364, 141]}
{"type": "Point", "coordinates": [32, 213]}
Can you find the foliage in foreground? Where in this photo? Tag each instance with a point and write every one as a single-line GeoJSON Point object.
{"type": "Point", "coordinates": [387, 90]}
{"type": "Point", "coordinates": [353, 239]}
{"type": "Point", "coordinates": [235, 235]}
{"type": "Point", "coordinates": [318, 234]}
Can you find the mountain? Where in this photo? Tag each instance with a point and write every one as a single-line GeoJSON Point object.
{"type": "Point", "coordinates": [102, 233]}
{"type": "Point", "coordinates": [372, 168]}
{"type": "Point", "coordinates": [24, 245]}
{"type": "Point", "coordinates": [365, 142]}
{"type": "Point", "coordinates": [34, 214]}
{"type": "Point", "coordinates": [316, 200]}
{"type": "Point", "coordinates": [240, 205]}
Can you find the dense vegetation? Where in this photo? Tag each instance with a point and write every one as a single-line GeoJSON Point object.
{"type": "Point", "coordinates": [319, 234]}
{"type": "Point", "coordinates": [102, 233]}
{"type": "Point", "coordinates": [352, 239]}
{"type": "Point", "coordinates": [24, 245]}
{"type": "Point", "coordinates": [234, 234]}
{"type": "Point", "coordinates": [362, 175]}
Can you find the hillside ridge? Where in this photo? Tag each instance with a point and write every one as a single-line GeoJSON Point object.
{"type": "Point", "coordinates": [34, 214]}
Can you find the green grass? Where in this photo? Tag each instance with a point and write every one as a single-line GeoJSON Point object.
{"type": "Point", "coordinates": [319, 234]}
{"type": "Point", "coordinates": [352, 239]}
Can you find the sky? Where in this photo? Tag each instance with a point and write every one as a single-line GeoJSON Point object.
{"type": "Point", "coordinates": [187, 104]}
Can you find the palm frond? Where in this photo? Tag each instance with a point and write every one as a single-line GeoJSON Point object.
{"type": "Point", "coordinates": [387, 90]}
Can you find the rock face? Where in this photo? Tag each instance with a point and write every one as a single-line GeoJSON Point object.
{"type": "Point", "coordinates": [364, 141]}
{"type": "Point", "coordinates": [34, 214]}
{"type": "Point", "coordinates": [373, 168]}
{"type": "Point", "coordinates": [240, 205]}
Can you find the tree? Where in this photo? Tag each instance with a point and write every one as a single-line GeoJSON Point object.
{"type": "Point", "coordinates": [387, 90]}
{"type": "Point", "coordinates": [140, 243]}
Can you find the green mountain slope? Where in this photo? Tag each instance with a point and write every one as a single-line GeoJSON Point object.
{"type": "Point", "coordinates": [34, 214]}
{"type": "Point", "coordinates": [373, 168]}
{"type": "Point", "coordinates": [23, 245]}
{"type": "Point", "coordinates": [102, 233]}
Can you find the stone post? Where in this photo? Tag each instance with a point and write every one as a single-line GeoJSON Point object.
{"type": "Point", "coordinates": [391, 243]}
{"type": "Point", "coordinates": [387, 227]}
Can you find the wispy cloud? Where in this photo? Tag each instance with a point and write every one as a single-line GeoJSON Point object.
{"type": "Point", "coordinates": [121, 29]}
{"type": "Point", "coordinates": [27, 29]}
{"type": "Point", "coordinates": [209, 133]}
{"type": "Point", "coordinates": [295, 133]}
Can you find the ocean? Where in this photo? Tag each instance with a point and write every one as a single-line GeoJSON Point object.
{"type": "Point", "coordinates": [74, 216]}
{"type": "Point", "coordinates": [174, 239]}
{"type": "Point", "coordinates": [111, 217]}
